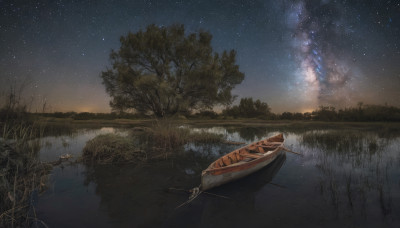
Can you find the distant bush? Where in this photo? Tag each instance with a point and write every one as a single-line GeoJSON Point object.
{"type": "Point", "coordinates": [92, 116]}
{"type": "Point", "coordinates": [206, 115]}
{"type": "Point", "coordinates": [361, 113]}
{"type": "Point", "coordinates": [248, 108]}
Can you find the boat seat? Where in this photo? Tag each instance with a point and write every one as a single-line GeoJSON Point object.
{"type": "Point", "coordinates": [270, 147]}
{"type": "Point", "coordinates": [241, 162]}
{"type": "Point", "coordinates": [249, 155]}
{"type": "Point", "coordinates": [260, 149]}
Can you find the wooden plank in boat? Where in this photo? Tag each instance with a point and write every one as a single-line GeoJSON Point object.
{"type": "Point", "coordinates": [270, 146]}
{"type": "Point", "coordinates": [248, 155]}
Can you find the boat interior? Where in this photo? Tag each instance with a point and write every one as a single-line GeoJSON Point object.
{"type": "Point", "coordinates": [249, 153]}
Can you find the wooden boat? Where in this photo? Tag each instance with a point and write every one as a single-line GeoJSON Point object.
{"type": "Point", "coordinates": [241, 162]}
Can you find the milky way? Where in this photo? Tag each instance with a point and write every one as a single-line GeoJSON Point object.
{"type": "Point", "coordinates": [324, 75]}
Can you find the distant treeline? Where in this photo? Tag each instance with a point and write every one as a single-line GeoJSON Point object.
{"type": "Point", "coordinates": [92, 116]}
{"type": "Point", "coordinates": [364, 113]}
{"type": "Point", "coordinates": [260, 110]}
{"type": "Point", "coordinates": [247, 108]}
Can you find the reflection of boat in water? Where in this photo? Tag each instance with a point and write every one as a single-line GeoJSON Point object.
{"type": "Point", "coordinates": [241, 162]}
{"type": "Point", "coordinates": [265, 175]}
{"type": "Point", "coordinates": [245, 188]}
{"type": "Point", "coordinates": [248, 198]}
{"type": "Point", "coordinates": [217, 212]}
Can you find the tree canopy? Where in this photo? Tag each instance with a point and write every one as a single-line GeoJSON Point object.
{"type": "Point", "coordinates": [249, 108]}
{"type": "Point", "coordinates": [164, 71]}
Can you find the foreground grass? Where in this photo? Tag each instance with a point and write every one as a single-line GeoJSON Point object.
{"type": "Point", "coordinates": [21, 173]}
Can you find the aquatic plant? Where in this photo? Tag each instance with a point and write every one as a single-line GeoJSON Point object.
{"type": "Point", "coordinates": [354, 167]}
{"type": "Point", "coordinates": [158, 141]}
{"type": "Point", "coordinates": [112, 148]}
{"type": "Point", "coordinates": [167, 136]}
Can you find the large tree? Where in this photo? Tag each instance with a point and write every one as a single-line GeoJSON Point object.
{"type": "Point", "coordinates": [164, 71]}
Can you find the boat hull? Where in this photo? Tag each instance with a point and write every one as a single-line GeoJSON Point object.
{"type": "Point", "coordinates": [213, 179]}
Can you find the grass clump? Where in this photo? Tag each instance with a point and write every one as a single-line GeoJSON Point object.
{"type": "Point", "coordinates": [158, 141]}
{"type": "Point", "coordinates": [112, 148]}
{"type": "Point", "coordinates": [21, 174]}
{"type": "Point", "coordinates": [166, 136]}
{"type": "Point", "coordinates": [205, 137]}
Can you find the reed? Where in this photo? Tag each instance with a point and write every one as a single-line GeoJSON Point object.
{"type": "Point", "coordinates": [205, 137]}
{"type": "Point", "coordinates": [168, 136]}
{"type": "Point", "coordinates": [158, 141]}
{"type": "Point", "coordinates": [355, 167]}
{"type": "Point", "coordinates": [22, 173]}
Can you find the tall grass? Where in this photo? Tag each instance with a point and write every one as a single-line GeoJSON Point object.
{"type": "Point", "coordinates": [165, 138]}
{"type": "Point", "coordinates": [159, 141]}
{"type": "Point", "coordinates": [21, 173]}
{"type": "Point", "coordinates": [354, 167]}
{"type": "Point", "coordinates": [112, 148]}
{"type": "Point", "coordinates": [169, 135]}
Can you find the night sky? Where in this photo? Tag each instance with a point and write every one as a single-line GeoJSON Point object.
{"type": "Point", "coordinates": [296, 55]}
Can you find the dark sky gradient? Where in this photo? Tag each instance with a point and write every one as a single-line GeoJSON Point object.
{"type": "Point", "coordinates": [296, 55]}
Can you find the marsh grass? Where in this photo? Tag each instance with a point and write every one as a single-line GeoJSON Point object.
{"type": "Point", "coordinates": [165, 138]}
{"type": "Point", "coordinates": [111, 148]}
{"type": "Point", "coordinates": [343, 141]}
{"type": "Point", "coordinates": [159, 141]}
{"type": "Point", "coordinates": [21, 173]}
{"type": "Point", "coordinates": [167, 135]}
{"type": "Point", "coordinates": [206, 137]}
{"type": "Point", "coordinates": [354, 169]}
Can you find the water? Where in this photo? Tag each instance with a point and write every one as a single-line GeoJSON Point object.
{"type": "Point", "coordinates": [346, 178]}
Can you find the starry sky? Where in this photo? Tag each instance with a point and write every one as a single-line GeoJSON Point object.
{"type": "Point", "coordinates": [296, 55]}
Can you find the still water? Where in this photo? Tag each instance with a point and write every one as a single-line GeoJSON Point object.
{"type": "Point", "coordinates": [346, 178]}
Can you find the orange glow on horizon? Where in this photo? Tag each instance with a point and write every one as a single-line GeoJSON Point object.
{"type": "Point", "coordinates": [85, 109]}
{"type": "Point", "coordinates": [307, 110]}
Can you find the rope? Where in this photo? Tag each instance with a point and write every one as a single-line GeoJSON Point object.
{"type": "Point", "coordinates": [284, 148]}
{"type": "Point", "coordinates": [195, 193]}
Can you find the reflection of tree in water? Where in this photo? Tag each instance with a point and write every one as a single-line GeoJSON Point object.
{"type": "Point", "coordinates": [248, 133]}
{"type": "Point", "coordinates": [356, 170]}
